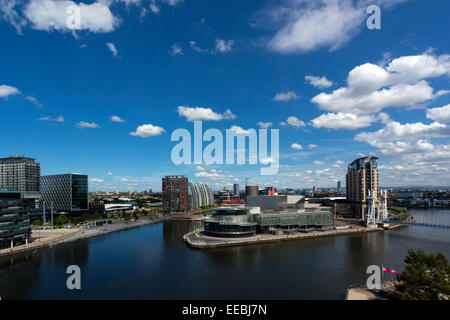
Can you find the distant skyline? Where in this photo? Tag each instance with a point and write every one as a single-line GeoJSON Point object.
{"type": "Point", "coordinates": [104, 100]}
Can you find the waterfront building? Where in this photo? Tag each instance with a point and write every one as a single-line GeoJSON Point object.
{"type": "Point", "coordinates": [68, 192]}
{"type": "Point", "coordinates": [362, 177]}
{"type": "Point", "coordinates": [268, 214]}
{"type": "Point", "coordinates": [200, 195]}
{"type": "Point", "coordinates": [16, 209]}
{"type": "Point", "coordinates": [20, 173]}
{"type": "Point", "coordinates": [338, 186]}
{"type": "Point", "coordinates": [175, 193]}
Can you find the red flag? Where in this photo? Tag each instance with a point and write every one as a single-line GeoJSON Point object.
{"type": "Point", "coordinates": [393, 271]}
{"type": "Point", "coordinates": [384, 269]}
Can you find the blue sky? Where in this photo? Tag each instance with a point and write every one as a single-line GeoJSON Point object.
{"type": "Point", "coordinates": [346, 90]}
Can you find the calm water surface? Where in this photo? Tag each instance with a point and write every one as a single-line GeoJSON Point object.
{"type": "Point", "coordinates": [152, 262]}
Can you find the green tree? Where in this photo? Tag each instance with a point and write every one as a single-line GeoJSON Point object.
{"type": "Point", "coordinates": [425, 277]}
{"type": "Point", "coordinates": [61, 219]}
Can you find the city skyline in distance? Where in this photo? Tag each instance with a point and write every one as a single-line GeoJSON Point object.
{"type": "Point", "coordinates": [105, 103]}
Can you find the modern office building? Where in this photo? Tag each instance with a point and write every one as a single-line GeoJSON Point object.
{"type": "Point", "coordinates": [338, 186]}
{"type": "Point", "coordinates": [268, 214]}
{"type": "Point", "coordinates": [362, 177]}
{"type": "Point", "coordinates": [236, 189]}
{"type": "Point", "coordinates": [200, 195]}
{"type": "Point", "coordinates": [68, 192]}
{"type": "Point", "coordinates": [175, 193]}
{"type": "Point", "coordinates": [20, 173]}
{"type": "Point", "coordinates": [15, 211]}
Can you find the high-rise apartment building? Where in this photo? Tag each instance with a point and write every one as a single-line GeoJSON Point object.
{"type": "Point", "coordinates": [339, 186]}
{"type": "Point", "coordinates": [200, 195]}
{"type": "Point", "coordinates": [175, 193]}
{"type": "Point", "coordinates": [19, 173]}
{"type": "Point", "coordinates": [68, 192]}
{"type": "Point", "coordinates": [236, 189]}
{"type": "Point", "coordinates": [362, 176]}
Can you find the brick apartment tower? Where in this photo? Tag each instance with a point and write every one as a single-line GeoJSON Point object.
{"type": "Point", "coordinates": [175, 194]}
{"type": "Point", "coordinates": [362, 175]}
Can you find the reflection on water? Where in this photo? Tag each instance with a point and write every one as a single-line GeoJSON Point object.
{"type": "Point", "coordinates": [152, 262]}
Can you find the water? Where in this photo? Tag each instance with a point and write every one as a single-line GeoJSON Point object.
{"type": "Point", "coordinates": [152, 262]}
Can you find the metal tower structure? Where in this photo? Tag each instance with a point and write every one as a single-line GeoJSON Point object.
{"type": "Point", "coordinates": [371, 217]}
{"type": "Point", "coordinates": [384, 210]}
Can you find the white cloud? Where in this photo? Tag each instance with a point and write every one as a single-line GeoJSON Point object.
{"type": "Point", "coordinates": [285, 96]}
{"type": "Point", "coordinates": [116, 119]}
{"type": "Point", "coordinates": [240, 130]}
{"type": "Point", "coordinates": [199, 113]}
{"type": "Point", "coordinates": [266, 161]}
{"type": "Point", "coordinates": [9, 14]}
{"type": "Point", "coordinates": [112, 48]}
{"type": "Point", "coordinates": [312, 146]}
{"type": "Point", "coordinates": [196, 48]}
{"type": "Point", "coordinates": [147, 130]}
{"type": "Point", "coordinates": [264, 125]}
{"type": "Point", "coordinates": [372, 88]}
{"type": "Point", "coordinates": [224, 45]}
{"type": "Point", "coordinates": [34, 101]}
{"type": "Point", "coordinates": [319, 82]}
{"type": "Point", "coordinates": [96, 180]}
{"type": "Point", "coordinates": [154, 8]}
{"type": "Point", "coordinates": [110, 174]}
{"type": "Point", "coordinates": [52, 15]}
{"type": "Point", "coordinates": [6, 91]}
{"type": "Point", "coordinates": [84, 124]}
{"type": "Point", "coordinates": [296, 146]}
{"type": "Point", "coordinates": [441, 114]}
{"type": "Point", "coordinates": [341, 120]}
{"type": "Point", "coordinates": [397, 139]}
{"type": "Point", "coordinates": [311, 25]}
{"type": "Point", "coordinates": [177, 49]}
{"type": "Point", "coordinates": [49, 118]}
{"type": "Point", "coordinates": [295, 122]}
{"type": "Point", "coordinates": [318, 163]}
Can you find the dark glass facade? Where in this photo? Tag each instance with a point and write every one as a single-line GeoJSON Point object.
{"type": "Point", "coordinates": [14, 219]}
{"type": "Point", "coordinates": [68, 192]}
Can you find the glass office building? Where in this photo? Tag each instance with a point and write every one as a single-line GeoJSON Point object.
{"type": "Point", "coordinates": [68, 192]}
{"type": "Point", "coordinates": [15, 210]}
{"type": "Point", "coordinates": [200, 195]}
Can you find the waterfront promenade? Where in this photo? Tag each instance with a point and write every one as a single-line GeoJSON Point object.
{"type": "Point", "coordinates": [48, 238]}
{"type": "Point", "coordinates": [198, 240]}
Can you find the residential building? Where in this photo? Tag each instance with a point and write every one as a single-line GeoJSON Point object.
{"type": "Point", "coordinates": [68, 192]}
{"type": "Point", "coordinates": [200, 195]}
{"type": "Point", "coordinates": [236, 189]}
{"type": "Point", "coordinates": [362, 177]}
{"type": "Point", "coordinates": [175, 193]}
{"type": "Point", "coordinates": [20, 173]}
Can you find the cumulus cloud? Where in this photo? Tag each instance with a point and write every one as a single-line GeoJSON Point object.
{"type": "Point", "coordinates": [294, 122]}
{"type": "Point", "coordinates": [318, 163]}
{"type": "Point", "coordinates": [285, 96]}
{"type": "Point", "coordinates": [371, 88]}
{"type": "Point", "coordinates": [319, 82]}
{"type": "Point", "coordinates": [6, 91]}
{"type": "Point", "coordinates": [240, 130]}
{"type": "Point", "coordinates": [341, 120]}
{"type": "Point", "coordinates": [49, 15]}
{"type": "Point", "coordinates": [204, 114]}
{"type": "Point", "coordinates": [264, 125]}
{"type": "Point", "coordinates": [116, 119]}
{"type": "Point", "coordinates": [147, 130]}
{"type": "Point", "coordinates": [396, 138]}
{"type": "Point", "coordinates": [441, 114]}
{"type": "Point", "coordinates": [10, 14]}
{"type": "Point", "coordinates": [296, 146]}
{"type": "Point", "coordinates": [96, 180]}
{"type": "Point", "coordinates": [312, 146]}
{"type": "Point", "coordinates": [84, 124]}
